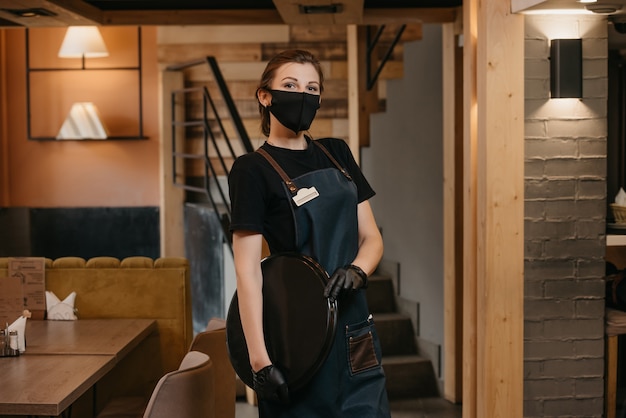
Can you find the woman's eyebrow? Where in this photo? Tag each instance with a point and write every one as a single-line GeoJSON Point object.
{"type": "Point", "coordinates": [296, 80]}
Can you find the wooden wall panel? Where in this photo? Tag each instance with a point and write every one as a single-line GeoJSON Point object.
{"type": "Point", "coordinates": [243, 51]}
{"type": "Point", "coordinates": [179, 53]}
{"type": "Point", "coordinates": [222, 34]}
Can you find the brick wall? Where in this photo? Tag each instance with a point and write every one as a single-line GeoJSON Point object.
{"type": "Point", "coordinates": [565, 209]}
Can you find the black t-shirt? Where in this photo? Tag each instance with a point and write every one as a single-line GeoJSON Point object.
{"type": "Point", "coordinates": [258, 199]}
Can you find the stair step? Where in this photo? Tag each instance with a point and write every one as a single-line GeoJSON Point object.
{"type": "Point", "coordinates": [409, 377]}
{"type": "Point", "coordinates": [380, 294]}
{"type": "Point", "coordinates": [396, 334]}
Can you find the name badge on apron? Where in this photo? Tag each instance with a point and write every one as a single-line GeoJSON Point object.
{"type": "Point", "coordinates": [305, 195]}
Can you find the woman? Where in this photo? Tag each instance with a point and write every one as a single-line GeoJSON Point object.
{"type": "Point", "coordinates": [333, 224]}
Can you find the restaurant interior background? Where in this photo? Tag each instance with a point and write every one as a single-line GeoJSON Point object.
{"type": "Point", "coordinates": [86, 198]}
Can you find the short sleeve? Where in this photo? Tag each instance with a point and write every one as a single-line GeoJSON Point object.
{"type": "Point", "coordinates": [246, 190]}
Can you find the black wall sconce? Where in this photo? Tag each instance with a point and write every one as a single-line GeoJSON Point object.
{"type": "Point", "coordinates": [566, 68]}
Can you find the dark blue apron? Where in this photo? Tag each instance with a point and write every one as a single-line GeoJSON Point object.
{"type": "Point", "coordinates": [351, 382]}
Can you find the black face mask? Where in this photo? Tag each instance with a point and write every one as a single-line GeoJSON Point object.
{"type": "Point", "coordinates": [294, 110]}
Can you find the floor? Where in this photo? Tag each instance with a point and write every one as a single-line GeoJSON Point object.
{"type": "Point", "coordinates": [411, 408]}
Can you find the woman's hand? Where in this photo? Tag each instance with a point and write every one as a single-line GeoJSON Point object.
{"type": "Point", "coordinates": [270, 384]}
{"type": "Point", "coordinates": [345, 279]}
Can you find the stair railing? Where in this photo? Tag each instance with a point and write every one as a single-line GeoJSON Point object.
{"type": "Point", "coordinates": [213, 130]}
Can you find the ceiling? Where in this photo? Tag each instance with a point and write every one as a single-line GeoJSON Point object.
{"type": "Point", "coordinates": [49, 13]}
{"type": "Point", "coordinates": [614, 10]}
{"type": "Point", "coordinates": [603, 7]}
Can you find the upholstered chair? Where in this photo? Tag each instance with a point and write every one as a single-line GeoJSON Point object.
{"type": "Point", "coordinates": [212, 341]}
{"type": "Point", "coordinates": [188, 392]}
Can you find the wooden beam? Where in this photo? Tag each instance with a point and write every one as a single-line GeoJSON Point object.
{"type": "Point", "coordinates": [494, 211]}
{"type": "Point", "coordinates": [520, 5]}
{"type": "Point", "coordinates": [192, 17]}
{"type": "Point", "coordinates": [79, 12]}
{"type": "Point", "coordinates": [470, 29]}
{"type": "Point", "coordinates": [4, 118]}
{"type": "Point", "coordinates": [172, 198]}
{"type": "Point", "coordinates": [452, 216]}
{"type": "Point", "coordinates": [66, 13]}
{"type": "Point", "coordinates": [349, 12]}
{"type": "Point", "coordinates": [77, 8]}
{"type": "Point", "coordinates": [409, 15]}
{"type": "Point", "coordinates": [361, 102]}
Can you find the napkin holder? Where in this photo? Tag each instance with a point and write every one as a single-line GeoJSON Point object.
{"type": "Point", "coordinates": [12, 338]}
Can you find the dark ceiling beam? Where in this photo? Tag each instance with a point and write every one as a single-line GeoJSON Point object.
{"type": "Point", "coordinates": [79, 12]}
{"type": "Point", "coordinates": [320, 12]}
{"type": "Point", "coordinates": [79, 8]}
{"type": "Point", "coordinates": [50, 13]}
{"type": "Point", "coordinates": [192, 17]}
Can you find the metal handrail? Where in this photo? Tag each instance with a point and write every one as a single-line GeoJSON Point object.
{"type": "Point", "coordinates": [216, 195]}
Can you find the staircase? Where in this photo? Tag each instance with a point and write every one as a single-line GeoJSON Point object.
{"type": "Point", "coordinates": [409, 375]}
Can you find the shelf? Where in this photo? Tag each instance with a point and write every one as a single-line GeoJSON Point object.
{"type": "Point", "coordinates": [113, 84]}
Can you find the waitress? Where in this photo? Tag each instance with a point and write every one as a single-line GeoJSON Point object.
{"type": "Point", "coordinates": [331, 222]}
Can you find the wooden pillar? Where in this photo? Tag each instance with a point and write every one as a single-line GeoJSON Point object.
{"type": "Point", "coordinates": [469, 208]}
{"type": "Point", "coordinates": [361, 102]}
{"type": "Point", "coordinates": [4, 134]}
{"type": "Point", "coordinates": [172, 197]}
{"type": "Point", "coordinates": [453, 211]}
{"type": "Point", "coordinates": [493, 210]}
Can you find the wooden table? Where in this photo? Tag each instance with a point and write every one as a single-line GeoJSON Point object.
{"type": "Point", "coordinates": [47, 384]}
{"type": "Point", "coordinates": [114, 337]}
{"type": "Point", "coordinates": [63, 359]}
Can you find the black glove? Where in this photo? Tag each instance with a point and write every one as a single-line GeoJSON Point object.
{"type": "Point", "coordinates": [345, 279]}
{"type": "Point", "coordinates": [269, 384]}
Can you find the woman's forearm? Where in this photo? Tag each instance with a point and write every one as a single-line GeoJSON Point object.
{"type": "Point", "coordinates": [247, 251]}
{"type": "Point", "coordinates": [370, 241]}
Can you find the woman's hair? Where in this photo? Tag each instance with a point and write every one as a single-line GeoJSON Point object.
{"type": "Point", "coordinates": [294, 55]}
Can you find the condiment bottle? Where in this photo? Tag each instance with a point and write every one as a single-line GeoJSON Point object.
{"type": "Point", "coordinates": [3, 342]}
{"type": "Point", "coordinates": [13, 340]}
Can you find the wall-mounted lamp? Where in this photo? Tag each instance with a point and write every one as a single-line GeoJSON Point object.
{"type": "Point", "coordinates": [566, 68]}
{"type": "Point", "coordinates": [83, 121]}
{"type": "Point", "coordinates": [83, 42]}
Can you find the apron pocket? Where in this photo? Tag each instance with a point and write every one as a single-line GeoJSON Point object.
{"type": "Point", "coordinates": [361, 349]}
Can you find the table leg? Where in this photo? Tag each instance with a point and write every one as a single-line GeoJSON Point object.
{"type": "Point", "coordinates": [610, 395]}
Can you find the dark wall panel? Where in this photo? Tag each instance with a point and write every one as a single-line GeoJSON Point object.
{"type": "Point", "coordinates": [14, 232]}
{"type": "Point", "coordinates": [85, 232]}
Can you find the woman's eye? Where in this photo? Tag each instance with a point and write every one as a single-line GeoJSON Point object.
{"type": "Point", "coordinates": [289, 86]}
{"type": "Point", "coordinates": [313, 89]}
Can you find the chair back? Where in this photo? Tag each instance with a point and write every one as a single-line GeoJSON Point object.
{"type": "Point", "coordinates": [212, 342]}
{"type": "Point", "coordinates": [185, 393]}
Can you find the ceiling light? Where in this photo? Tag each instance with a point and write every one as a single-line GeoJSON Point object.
{"type": "Point", "coordinates": [32, 12]}
{"type": "Point", "coordinates": [320, 9]}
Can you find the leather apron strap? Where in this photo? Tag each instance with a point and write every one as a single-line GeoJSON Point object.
{"type": "Point", "coordinates": [287, 180]}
